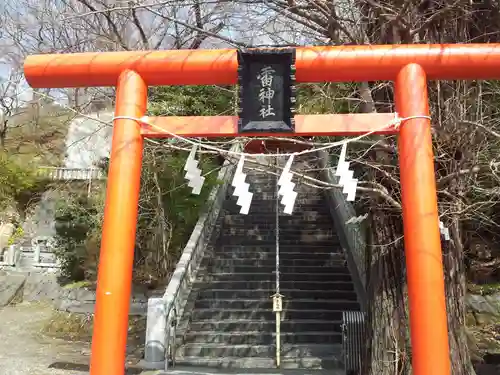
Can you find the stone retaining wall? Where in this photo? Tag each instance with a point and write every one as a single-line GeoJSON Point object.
{"type": "Point", "coordinates": [483, 320]}
{"type": "Point", "coordinates": [82, 301]}
{"type": "Point", "coordinates": [43, 287]}
{"type": "Point", "coordinates": [486, 305]}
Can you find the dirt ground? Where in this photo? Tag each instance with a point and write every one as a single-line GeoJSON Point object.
{"type": "Point", "coordinates": [27, 345]}
{"type": "Point", "coordinates": [25, 350]}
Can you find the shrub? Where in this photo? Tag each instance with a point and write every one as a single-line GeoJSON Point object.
{"type": "Point", "coordinates": [19, 184]}
{"type": "Point", "coordinates": [78, 220]}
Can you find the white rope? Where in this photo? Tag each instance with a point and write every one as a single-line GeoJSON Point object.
{"type": "Point", "coordinates": [396, 123]}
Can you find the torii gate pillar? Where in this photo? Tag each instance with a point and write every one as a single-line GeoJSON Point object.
{"type": "Point", "coordinates": [424, 262]}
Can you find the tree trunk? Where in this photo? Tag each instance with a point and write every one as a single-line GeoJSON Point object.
{"type": "Point", "coordinates": [390, 351]}
{"type": "Point", "coordinates": [456, 287]}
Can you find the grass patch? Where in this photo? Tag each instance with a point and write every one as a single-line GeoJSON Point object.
{"type": "Point", "coordinates": [78, 327]}
{"type": "Point", "coordinates": [79, 284]}
{"type": "Point", "coordinates": [68, 326]}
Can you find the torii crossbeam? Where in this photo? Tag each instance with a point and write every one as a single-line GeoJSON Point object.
{"type": "Point", "coordinates": [132, 72]}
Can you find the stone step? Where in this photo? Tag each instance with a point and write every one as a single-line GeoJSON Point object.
{"type": "Point", "coordinates": [331, 365]}
{"type": "Point", "coordinates": [267, 195]}
{"type": "Point", "coordinates": [296, 236]}
{"type": "Point", "coordinates": [230, 322]}
{"type": "Point", "coordinates": [288, 351]}
{"type": "Point", "coordinates": [239, 264]}
{"type": "Point", "coordinates": [286, 251]}
{"type": "Point", "coordinates": [267, 201]}
{"type": "Point", "coordinates": [260, 186]}
{"type": "Point", "coordinates": [266, 304]}
{"type": "Point", "coordinates": [268, 240]}
{"type": "Point", "coordinates": [294, 285]}
{"type": "Point", "coordinates": [286, 222]}
{"type": "Point", "coordinates": [321, 218]}
{"type": "Point", "coordinates": [284, 277]}
{"type": "Point", "coordinates": [291, 229]}
{"type": "Point", "coordinates": [268, 315]}
{"type": "Point", "coordinates": [270, 180]}
{"type": "Point", "coordinates": [268, 211]}
{"type": "Point", "coordinates": [251, 258]}
{"type": "Point", "coordinates": [265, 216]}
{"type": "Point", "coordinates": [347, 294]}
{"type": "Point", "coordinates": [270, 268]}
{"type": "Point", "coordinates": [298, 233]}
{"type": "Point", "coordinates": [261, 337]}
{"type": "Point", "coordinates": [260, 293]}
{"type": "Point", "coordinates": [307, 325]}
{"type": "Point", "coordinates": [312, 195]}
{"type": "Point", "coordinates": [269, 205]}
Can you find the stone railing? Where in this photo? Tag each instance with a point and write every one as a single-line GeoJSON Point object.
{"type": "Point", "coordinates": [11, 256]}
{"type": "Point", "coordinates": [39, 255]}
{"type": "Point", "coordinates": [62, 173]}
{"type": "Point", "coordinates": [352, 236]}
{"type": "Point", "coordinates": [38, 244]}
{"type": "Point", "coordinates": [164, 312]}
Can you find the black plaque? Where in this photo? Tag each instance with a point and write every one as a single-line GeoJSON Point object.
{"type": "Point", "coordinates": [266, 81]}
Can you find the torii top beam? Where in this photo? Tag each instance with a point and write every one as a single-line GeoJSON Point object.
{"type": "Point", "coordinates": [314, 64]}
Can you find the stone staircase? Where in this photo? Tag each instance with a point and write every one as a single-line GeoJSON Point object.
{"type": "Point", "coordinates": [228, 320]}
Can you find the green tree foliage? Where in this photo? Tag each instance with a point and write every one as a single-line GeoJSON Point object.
{"type": "Point", "coordinates": [19, 184]}
{"type": "Point", "coordinates": [78, 221]}
{"type": "Point", "coordinates": [191, 100]}
{"type": "Point", "coordinates": [325, 98]}
{"type": "Point", "coordinates": [168, 210]}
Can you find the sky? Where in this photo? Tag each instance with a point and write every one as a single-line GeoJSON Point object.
{"type": "Point", "coordinates": [238, 21]}
{"type": "Point", "coordinates": [26, 93]}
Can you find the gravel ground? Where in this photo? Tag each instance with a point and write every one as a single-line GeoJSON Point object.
{"type": "Point", "coordinates": [23, 351]}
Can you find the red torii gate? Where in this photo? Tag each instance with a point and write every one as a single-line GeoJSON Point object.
{"type": "Point", "coordinates": [132, 72]}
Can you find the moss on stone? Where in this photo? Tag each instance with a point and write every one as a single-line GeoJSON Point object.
{"type": "Point", "coordinates": [484, 289]}
{"type": "Point", "coordinates": [78, 284]}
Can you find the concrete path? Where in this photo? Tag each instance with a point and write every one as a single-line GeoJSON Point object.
{"type": "Point", "coordinates": [23, 350]}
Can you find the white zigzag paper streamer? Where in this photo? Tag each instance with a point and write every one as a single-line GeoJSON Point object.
{"type": "Point", "coordinates": [193, 173]}
{"type": "Point", "coordinates": [445, 232]}
{"type": "Point", "coordinates": [286, 188]}
{"type": "Point", "coordinates": [241, 188]}
{"type": "Point", "coordinates": [356, 219]}
{"type": "Point", "coordinates": [346, 180]}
